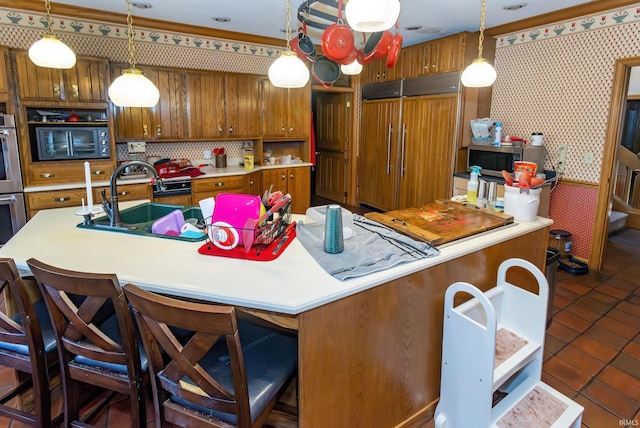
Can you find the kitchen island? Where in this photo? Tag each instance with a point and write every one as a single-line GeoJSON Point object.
{"type": "Point", "coordinates": [369, 347]}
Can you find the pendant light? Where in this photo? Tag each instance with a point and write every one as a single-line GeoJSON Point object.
{"type": "Point", "coordinates": [351, 69]}
{"type": "Point", "coordinates": [49, 51]}
{"type": "Point", "coordinates": [288, 71]}
{"type": "Point", "coordinates": [479, 73]}
{"type": "Point", "coordinates": [369, 16]}
{"type": "Point", "coordinates": [132, 89]}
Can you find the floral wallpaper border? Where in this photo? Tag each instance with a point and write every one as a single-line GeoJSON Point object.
{"type": "Point", "coordinates": [99, 29]}
{"type": "Point", "coordinates": [559, 29]}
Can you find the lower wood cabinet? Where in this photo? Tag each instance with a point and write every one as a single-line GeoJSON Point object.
{"type": "Point", "coordinates": [175, 200]}
{"type": "Point", "coordinates": [203, 188]}
{"type": "Point", "coordinates": [62, 172]}
{"type": "Point", "coordinates": [127, 192]}
{"type": "Point", "coordinates": [253, 184]}
{"type": "Point", "coordinates": [293, 180]}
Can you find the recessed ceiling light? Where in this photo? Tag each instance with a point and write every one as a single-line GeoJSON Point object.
{"type": "Point", "coordinates": [514, 6]}
{"type": "Point", "coordinates": [430, 30]}
{"type": "Point", "coordinates": [221, 18]}
{"type": "Point", "coordinates": [413, 27]}
{"type": "Point", "coordinates": [141, 5]}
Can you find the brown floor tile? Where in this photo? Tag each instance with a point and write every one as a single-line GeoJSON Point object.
{"type": "Point", "coordinates": [596, 348]}
{"type": "Point", "coordinates": [631, 275]}
{"type": "Point", "coordinates": [582, 312]}
{"type": "Point", "coordinates": [616, 292]}
{"type": "Point", "coordinates": [614, 401]}
{"type": "Point", "coordinates": [572, 321]}
{"type": "Point", "coordinates": [625, 317]}
{"type": "Point", "coordinates": [622, 329]}
{"type": "Point", "coordinates": [607, 337]}
{"type": "Point", "coordinates": [627, 364]}
{"type": "Point", "coordinates": [594, 304]}
{"type": "Point", "coordinates": [595, 416]}
{"type": "Point", "coordinates": [552, 344]}
{"type": "Point", "coordinates": [566, 373]}
{"type": "Point", "coordinates": [560, 302]}
{"type": "Point", "coordinates": [632, 349]}
{"type": "Point", "coordinates": [621, 381]}
{"type": "Point", "coordinates": [567, 293]}
{"type": "Point", "coordinates": [581, 360]}
{"type": "Point", "coordinates": [624, 285]}
{"type": "Point", "coordinates": [604, 298]}
{"type": "Point", "coordinates": [558, 385]}
{"type": "Point", "coordinates": [634, 298]}
{"type": "Point", "coordinates": [576, 287]}
{"type": "Point", "coordinates": [562, 332]}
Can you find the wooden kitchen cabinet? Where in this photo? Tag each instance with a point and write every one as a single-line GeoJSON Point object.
{"type": "Point", "coordinates": [36, 201]}
{"type": "Point", "coordinates": [377, 71]}
{"type": "Point", "coordinates": [416, 60]}
{"type": "Point", "coordinates": [222, 105]}
{"type": "Point", "coordinates": [5, 86]}
{"type": "Point", "coordinates": [286, 113]}
{"type": "Point", "coordinates": [62, 172]}
{"type": "Point", "coordinates": [437, 56]}
{"type": "Point", "coordinates": [84, 84]}
{"type": "Point", "coordinates": [293, 180]}
{"type": "Point", "coordinates": [164, 121]}
{"type": "Point", "coordinates": [126, 192]}
{"type": "Point", "coordinates": [254, 184]}
{"type": "Point", "coordinates": [203, 188]}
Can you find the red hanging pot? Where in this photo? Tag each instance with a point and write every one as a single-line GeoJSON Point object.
{"type": "Point", "coordinates": [337, 39]}
{"type": "Point", "coordinates": [394, 49]}
{"type": "Point", "coordinates": [378, 44]}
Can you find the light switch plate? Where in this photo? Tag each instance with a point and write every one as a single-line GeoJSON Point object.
{"type": "Point", "coordinates": [562, 159]}
{"type": "Point", "coordinates": [136, 146]}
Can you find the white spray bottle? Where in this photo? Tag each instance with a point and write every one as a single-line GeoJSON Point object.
{"type": "Point", "coordinates": [472, 185]}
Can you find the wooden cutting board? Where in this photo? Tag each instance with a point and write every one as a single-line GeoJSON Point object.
{"type": "Point", "coordinates": [442, 221]}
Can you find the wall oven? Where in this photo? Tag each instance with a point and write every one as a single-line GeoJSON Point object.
{"type": "Point", "coordinates": [12, 210]}
{"type": "Point", "coordinates": [70, 142]}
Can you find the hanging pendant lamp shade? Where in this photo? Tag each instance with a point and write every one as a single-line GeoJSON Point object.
{"type": "Point", "coordinates": [369, 16]}
{"type": "Point", "coordinates": [351, 69]}
{"type": "Point", "coordinates": [132, 88]}
{"type": "Point", "coordinates": [479, 73]}
{"type": "Point", "coordinates": [288, 71]}
{"type": "Point", "coordinates": [50, 51]}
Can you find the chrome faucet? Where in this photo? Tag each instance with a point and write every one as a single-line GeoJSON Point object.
{"type": "Point", "coordinates": [111, 207]}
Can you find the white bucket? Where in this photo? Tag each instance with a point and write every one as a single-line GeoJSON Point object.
{"type": "Point", "coordinates": [522, 206]}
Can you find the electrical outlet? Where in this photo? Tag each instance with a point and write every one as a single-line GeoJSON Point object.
{"type": "Point", "coordinates": [588, 158]}
{"type": "Point", "coordinates": [136, 146]}
{"type": "Point", "coordinates": [562, 159]}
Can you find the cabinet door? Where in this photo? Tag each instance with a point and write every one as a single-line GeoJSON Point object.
{"type": "Point", "coordinates": [243, 105]}
{"type": "Point", "coordinates": [446, 54]}
{"type": "Point", "coordinates": [62, 172]}
{"type": "Point", "coordinates": [169, 118]}
{"type": "Point", "coordinates": [299, 112]}
{"type": "Point", "coordinates": [299, 186]}
{"type": "Point", "coordinates": [276, 177]}
{"type": "Point", "coordinates": [254, 184]}
{"type": "Point", "coordinates": [87, 80]}
{"type": "Point", "coordinates": [37, 201]}
{"type": "Point", "coordinates": [427, 149]}
{"type": "Point", "coordinates": [37, 83]}
{"type": "Point", "coordinates": [379, 138]}
{"type": "Point", "coordinates": [127, 192]}
{"type": "Point", "coordinates": [205, 104]}
{"type": "Point", "coordinates": [4, 74]}
{"type": "Point", "coordinates": [416, 61]}
{"type": "Point", "coordinates": [274, 110]}
{"type": "Point", "coordinates": [132, 123]}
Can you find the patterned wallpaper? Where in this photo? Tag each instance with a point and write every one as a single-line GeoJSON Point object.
{"type": "Point", "coordinates": [557, 80]}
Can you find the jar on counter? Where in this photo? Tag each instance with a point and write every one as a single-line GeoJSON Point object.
{"type": "Point", "coordinates": [248, 156]}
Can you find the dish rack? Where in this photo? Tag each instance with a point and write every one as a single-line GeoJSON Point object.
{"type": "Point", "coordinates": [266, 230]}
{"type": "Point", "coordinates": [492, 358]}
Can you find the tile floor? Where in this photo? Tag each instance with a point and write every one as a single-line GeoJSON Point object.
{"type": "Point", "coordinates": [592, 350]}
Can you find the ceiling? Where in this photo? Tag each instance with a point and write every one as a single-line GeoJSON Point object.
{"type": "Point", "coordinates": [267, 17]}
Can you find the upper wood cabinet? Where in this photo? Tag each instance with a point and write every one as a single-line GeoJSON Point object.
{"type": "Point", "coordinates": [5, 86]}
{"type": "Point", "coordinates": [286, 113]}
{"type": "Point", "coordinates": [82, 85]}
{"type": "Point", "coordinates": [222, 105]}
{"type": "Point", "coordinates": [377, 71]}
{"type": "Point", "coordinates": [164, 121]}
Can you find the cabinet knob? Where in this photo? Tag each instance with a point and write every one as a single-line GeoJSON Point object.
{"type": "Point", "coordinates": [158, 130]}
{"type": "Point", "coordinates": [56, 89]}
{"type": "Point", "coordinates": [74, 90]}
{"type": "Point", "coordinates": [99, 172]}
{"type": "Point", "coordinates": [283, 129]}
{"type": "Point", "coordinates": [219, 184]}
{"type": "Point", "coordinates": [62, 199]}
{"type": "Point", "coordinates": [231, 130]}
{"type": "Point", "coordinates": [284, 176]}
{"type": "Point", "coordinates": [251, 183]}
{"type": "Point", "coordinates": [145, 130]}
{"type": "Point", "coordinates": [47, 175]}
{"type": "Point", "coordinates": [291, 176]}
{"type": "Point", "coordinates": [220, 129]}
{"type": "Point", "coordinates": [124, 193]}
{"type": "Point", "coordinates": [291, 129]}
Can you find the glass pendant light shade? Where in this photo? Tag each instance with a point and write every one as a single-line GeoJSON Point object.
{"type": "Point", "coordinates": [351, 69]}
{"type": "Point", "coordinates": [288, 71]}
{"type": "Point", "coordinates": [133, 89]}
{"type": "Point", "coordinates": [368, 16]}
{"type": "Point", "coordinates": [478, 74]}
{"type": "Point", "coordinates": [50, 52]}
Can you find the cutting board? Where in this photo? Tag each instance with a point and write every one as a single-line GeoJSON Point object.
{"type": "Point", "coordinates": [441, 221]}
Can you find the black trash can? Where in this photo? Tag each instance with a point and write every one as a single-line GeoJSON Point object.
{"type": "Point", "coordinates": [553, 261]}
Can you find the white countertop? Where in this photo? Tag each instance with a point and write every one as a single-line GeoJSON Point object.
{"type": "Point", "coordinates": [209, 172]}
{"type": "Point", "coordinates": [291, 284]}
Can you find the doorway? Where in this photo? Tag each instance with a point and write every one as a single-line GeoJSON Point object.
{"type": "Point", "coordinates": [333, 123]}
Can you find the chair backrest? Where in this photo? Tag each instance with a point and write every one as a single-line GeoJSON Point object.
{"type": "Point", "coordinates": [182, 375]}
{"type": "Point", "coordinates": [76, 302]}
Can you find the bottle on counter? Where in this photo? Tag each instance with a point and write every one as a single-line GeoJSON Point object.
{"type": "Point", "coordinates": [472, 185]}
{"type": "Point", "coordinates": [497, 134]}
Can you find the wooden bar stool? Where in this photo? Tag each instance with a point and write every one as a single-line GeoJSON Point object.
{"type": "Point", "coordinates": [102, 353]}
{"type": "Point", "coordinates": [211, 379]}
{"type": "Point", "coordinates": [28, 345]}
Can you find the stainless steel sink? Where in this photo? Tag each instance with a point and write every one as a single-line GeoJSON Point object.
{"type": "Point", "coordinates": [138, 220]}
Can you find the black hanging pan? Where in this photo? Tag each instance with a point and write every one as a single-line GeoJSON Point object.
{"type": "Point", "coordinates": [325, 71]}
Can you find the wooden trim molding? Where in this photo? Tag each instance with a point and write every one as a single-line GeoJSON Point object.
{"type": "Point", "coordinates": [559, 15]}
{"type": "Point", "coordinates": [578, 183]}
{"type": "Point", "coordinates": [118, 18]}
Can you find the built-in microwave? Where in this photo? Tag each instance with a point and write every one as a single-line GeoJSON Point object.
{"type": "Point", "coordinates": [71, 142]}
{"type": "Point", "coordinates": [494, 159]}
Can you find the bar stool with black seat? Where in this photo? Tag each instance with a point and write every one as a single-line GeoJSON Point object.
{"type": "Point", "coordinates": [212, 379]}
{"type": "Point", "coordinates": [28, 345]}
{"type": "Point", "coordinates": [92, 351]}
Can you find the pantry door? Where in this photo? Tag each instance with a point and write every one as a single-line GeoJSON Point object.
{"type": "Point", "coordinates": [332, 129]}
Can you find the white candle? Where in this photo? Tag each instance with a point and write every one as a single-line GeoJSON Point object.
{"type": "Point", "coordinates": [87, 177]}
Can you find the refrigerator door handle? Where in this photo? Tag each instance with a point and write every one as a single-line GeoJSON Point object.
{"type": "Point", "coordinates": [389, 132]}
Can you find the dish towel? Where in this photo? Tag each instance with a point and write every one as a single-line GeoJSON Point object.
{"type": "Point", "coordinates": [373, 248]}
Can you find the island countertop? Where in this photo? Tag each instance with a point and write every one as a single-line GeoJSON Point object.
{"type": "Point", "coordinates": [291, 284]}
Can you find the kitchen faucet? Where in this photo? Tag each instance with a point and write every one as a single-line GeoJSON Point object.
{"type": "Point", "coordinates": [111, 208]}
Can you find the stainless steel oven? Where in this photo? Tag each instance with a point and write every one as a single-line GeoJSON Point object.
{"type": "Point", "coordinates": [12, 210]}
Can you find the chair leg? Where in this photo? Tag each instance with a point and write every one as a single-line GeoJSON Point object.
{"type": "Point", "coordinates": [138, 406]}
{"type": "Point", "coordinates": [71, 390]}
